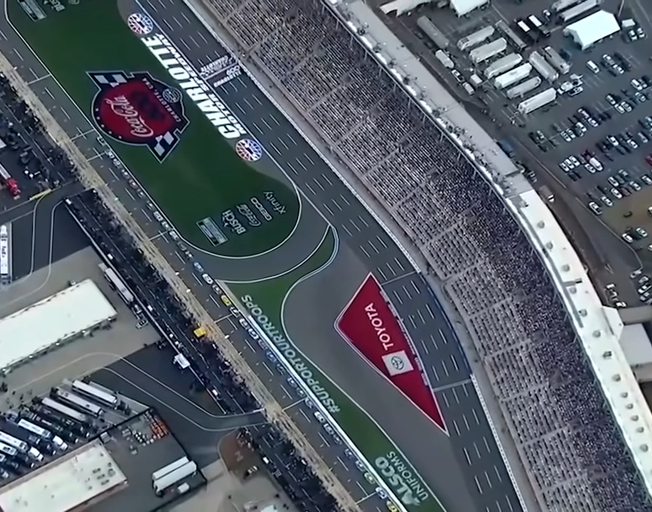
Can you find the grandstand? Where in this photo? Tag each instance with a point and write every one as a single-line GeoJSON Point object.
{"type": "Point", "coordinates": [567, 436]}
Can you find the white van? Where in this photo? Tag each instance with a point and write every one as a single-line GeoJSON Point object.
{"type": "Point", "coordinates": [593, 66]}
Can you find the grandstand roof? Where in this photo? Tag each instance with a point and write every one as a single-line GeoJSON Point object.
{"type": "Point", "coordinates": [51, 321]}
{"type": "Point", "coordinates": [599, 328]}
{"type": "Point", "coordinates": [636, 345]}
{"type": "Point", "coordinates": [65, 484]}
{"type": "Point", "coordinates": [593, 28]}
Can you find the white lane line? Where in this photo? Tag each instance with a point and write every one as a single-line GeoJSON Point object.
{"type": "Point", "coordinates": [274, 147]}
{"type": "Point", "coordinates": [373, 247]}
{"type": "Point", "coordinates": [168, 25]}
{"type": "Point", "coordinates": [253, 97]}
{"type": "Point", "coordinates": [346, 202]}
{"type": "Point", "coordinates": [177, 21]}
{"type": "Point", "coordinates": [184, 44]}
{"type": "Point", "coordinates": [292, 168]}
{"type": "Point", "coordinates": [186, 18]}
{"type": "Point", "coordinates": [301, 164]}
{"type": "Point", "coordinates": [397, 297]}
{"type": "Point", "coordinates": [363, 221]}
{"type": "Point", "coordinates": [193, 41]}
{"type": "Point", "coordinates": [346, 230]}
{"type": "Point", "coordinates": [367, 254]}
{"type": "Point", "coordinates": [18, 54]}
{"type": "Point", "coordinates": [355, 226]}
{"type": "Point", "coordinates": [382, 274]}
{"type": "Point", "coordinates": [310, 189]}
{"type": "Point", "coordinates": [277, 123]}
{"type": "Point", "coordinates": [432, 315]}
{"type": "Point", "coordinates": [291, 139]}
{"type": "Point", "coordinates": [318, 184]}
{"type": "Point", "coordinates": [399, 264]}
{"type": "Point", "coordinates": [239, 107]}
{"type": "Point", "coordinates": [309, 159]}
{"type": "Point", "coordinates": [151, 6]}
{"type": "Point", "coordinates": [380, 240]}
{"type": "Point", "coordinates": [416, 288]}
{"type": "Point", "coordinates": [256, 127]}
{"type": "Point", "coordinates": [391, 269]}
{"type": "Point", "coordinates": [280, 141]}
{"type": "Point", "coordinates": [330, 212]}
{"type": "Point", "coordinates": [47, 91]}
{"type": "Point", "coordinates": [425, 347]}
{"type": "Point", "coordinates": [262, 119]}
{"type": "Point", "coordinates": [2, 34]}
{"type": "Point", "coordinates": [337, 206]}
{"type": "Point", "coordinates": [201, 36]}
{"type": "Point", "coordinates": [247, 103]}
{"type": "Point", "coordinates": [327, 179]}
{"type": "Point", "coordinates": [65, 113]}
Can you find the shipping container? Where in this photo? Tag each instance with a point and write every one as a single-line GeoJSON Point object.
{"type": "Point", "coordinates": [66, 411]}
{"type": "Point", "coordinates": [174, 477]}
{"type": "Point", "coordinates": [513, 76]}
{"type": "Point", "coordinates": [539, 100]}
{"type": "Point", "coordinates": [556, 60]}
{"type": "Point", "coordinates": [503, 65]}
{"type": "Point", "coordinates": [578, 10]}
{"type": "Point", "coordinates": [541, 65]}
{"type": "Point", "coordinates": [522, 89]}
{"type": "Point", "coordinates": [511, 36]}
{"type": "Point", "coordinates": [78, 402]}
{"type": "Point", "coordinates": [488, 50]}
{"type": "Point", "coordinates": [434, 34]}
{"type": "Point", "coordinates": [474, 39]}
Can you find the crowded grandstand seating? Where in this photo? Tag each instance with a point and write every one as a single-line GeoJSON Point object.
{"type": "Point", "coordinates": [565, 433]}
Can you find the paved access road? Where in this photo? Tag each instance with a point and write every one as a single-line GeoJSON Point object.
{"type": "Point", "coordinates": [470, 451]}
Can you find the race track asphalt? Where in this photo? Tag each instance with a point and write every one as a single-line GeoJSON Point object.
{"type": "Point", "coordinates": [471, 449]}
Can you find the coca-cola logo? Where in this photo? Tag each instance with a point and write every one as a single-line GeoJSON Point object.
{"type": "Point", "coordinates": [139, 110]}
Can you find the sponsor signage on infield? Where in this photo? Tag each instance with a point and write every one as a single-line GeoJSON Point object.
{"type": "Point", "coordinates": [194, 86]}
{"type": "Point", "coordinates": [4, 257]}
{"type": "Point", "coordinates": [289, 353]}
{"type": "Point", "coordinates": [369, 325]}
{"type": "Point", "coordinates": [407, 487]}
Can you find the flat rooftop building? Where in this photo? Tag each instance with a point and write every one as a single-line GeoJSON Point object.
{"type": "Point", "coordinates": [53, 321]}
{"type": "Point", "coordinates": [84, 476]}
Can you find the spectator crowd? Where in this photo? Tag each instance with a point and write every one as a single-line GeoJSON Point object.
{"type": "Point", "coordinates": [568, 439]}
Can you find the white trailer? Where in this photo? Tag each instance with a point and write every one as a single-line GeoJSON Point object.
{"type": "Point", "coordinates": [578, 10]}
{"type": "Point", "coordinates": [174, 477]}
{"type": "Point", "coordinates": [434, 34]}
{"type": "Point", "coordinates": [503, 65]}
{"type": "Point", "coordinates": [445, 59]}
{"type": "Point", "coordinates": [513, 76]}
{"type": "Point", "coordinates": [560, 5]}
{"type": "Point", "coordinates": [556, 60]}
{"type": "Point", "coordinates": [547, 71]}
{"type": "Point", "coordinates": [160, 473]}
{"type": "Point", "coordinates": [79, 402]}
{"type": "Point", "coordinates": [95, 393]}
{"type": "Point", "coordinates": [520, 90]}
{"type": "Point", "coordinates": [537, 101]}
{"type": "Point", "coordinates": [479, 36]}
{"type": "Point", "coordinates": [488, 50]}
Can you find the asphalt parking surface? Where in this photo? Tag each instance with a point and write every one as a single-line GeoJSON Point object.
{"type": "Point", "coordinates": [597, 239]}
{"type": "Point", "coordinates": [364, 238]}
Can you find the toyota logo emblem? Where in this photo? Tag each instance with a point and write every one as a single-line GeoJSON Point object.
{"type": "Point", "coordinates": [397, 362]}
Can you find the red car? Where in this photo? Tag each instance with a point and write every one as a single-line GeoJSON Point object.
{"type": "Point", "coordinates": [648, 159]}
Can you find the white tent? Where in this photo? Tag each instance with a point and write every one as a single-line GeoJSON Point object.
{"type": "Point", "coordinates": [463, 7]}
{"type": "Point", "coordinates": [592, 29]}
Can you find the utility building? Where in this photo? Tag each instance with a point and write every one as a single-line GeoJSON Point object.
{"type": "Point", "coordinates": [58, 319]}
{"type": "Point", "coordinates": [592, 29]}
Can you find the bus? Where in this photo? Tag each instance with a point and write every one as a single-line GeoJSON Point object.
{"type": "Point", "coordinates": [95, 393]}
{"type": "Point", "coordinates": [19, 456]}
{"type": "Point", "coordinates": [78, 402]}
{"type": "Point", "coordinates": [538, 26]}
{"type": "Point", "coordinates": [66, 411]}
{"type": "Point", "coordinates": [511, 36]}
{"type": "Point", "coordinates": [527, 32]}
{"type": "Point", "coordinates": [117, 284]}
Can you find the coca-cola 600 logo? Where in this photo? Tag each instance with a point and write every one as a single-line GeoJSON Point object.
{"type": "Point", "coordinates": [140, 110]}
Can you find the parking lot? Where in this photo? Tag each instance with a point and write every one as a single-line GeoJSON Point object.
{"type": "Point", "coordinates": [599, 124]}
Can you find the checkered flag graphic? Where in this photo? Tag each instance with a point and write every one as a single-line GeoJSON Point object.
{"type": "Point", "coordinates": [164, 144]}
{"type": "Point", "coordinates": [109, 79]}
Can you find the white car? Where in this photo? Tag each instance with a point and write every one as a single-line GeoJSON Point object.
{"type": "Point", "coordinates": [173, 235]}
{"type": "Point", "coordinates": [620, 304]}
{"type": "Point", "coordinates": [595, 208]}
{"type": "Point", "coordinates": [564, 166]}
{"type": "Point", "coordinates": [646, 179]}
{"type": "Point", "coordinates": [253, 334]}
{"type": "Point", "coordinates": [243, 323]}
{"type": "Point", "coordinates": [589, 168]}
{"type": "Point", "coordinates": [607, 201]}
{"type": "Point", "coordinates": [198, 267]}
{"type": "Point", "coordinates": [208, 279]}
{"type": "Point", "coordinates": [635, 185]}
{"type": "Point", "coordinates": [637, 85]}
{"type": "Point", "coordinates": [616, 193]}
{"type": "Point", "coordinates": [574, 161]}
{"type": "Point", "coordinates": [627, 238]}
{"type": "Point", "coordinates": [619, 108]}
{"type": "Point", "coordinates": [158, 216]}
{"type": "Point", "coordinates": [320, 417]}
{"type": "Point", "coordinates": [635, 273]}
{"type": "Point", "coordinates": [641, 232]}
{"type": "Point", "coordinates": [593, 66]}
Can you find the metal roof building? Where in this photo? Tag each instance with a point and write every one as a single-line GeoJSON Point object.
{"type": "Point", "coordinates": [51, 322]}
{"type": "Point", "coordinates": [68, 483]}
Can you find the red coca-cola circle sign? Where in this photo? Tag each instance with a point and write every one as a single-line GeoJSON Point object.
{"type": "Point", "coordinates": [139, 110]}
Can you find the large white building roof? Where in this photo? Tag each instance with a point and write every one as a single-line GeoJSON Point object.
{"type": "Point", "coordinates": [592, 29]}
{"type": "Point", "coordinates": [463, 7]}
{"type": "Point", "coordinates": [65, 484]}
{"type": "Point", "coordinates": [51, 321]}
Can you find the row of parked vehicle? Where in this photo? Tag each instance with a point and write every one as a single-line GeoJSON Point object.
{"type": "Point", "coordinates": [619, 185]}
